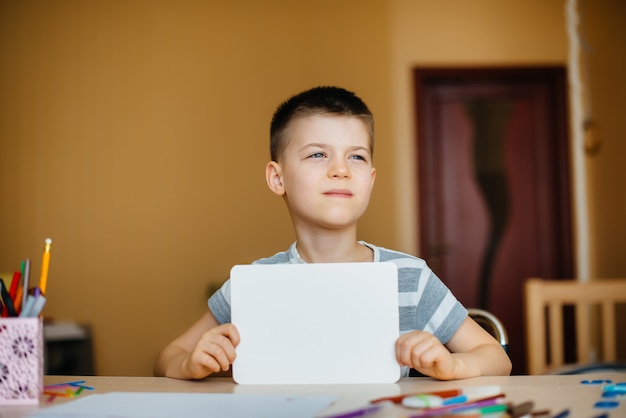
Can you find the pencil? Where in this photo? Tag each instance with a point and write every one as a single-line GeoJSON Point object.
{"type": "Point", "coordinates": [25, 281]}
{"type": "Point", "coordinates": [45, 263]}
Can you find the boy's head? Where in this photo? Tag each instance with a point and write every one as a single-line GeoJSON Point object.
{"type": "Point", "coordinates": [317, 101]}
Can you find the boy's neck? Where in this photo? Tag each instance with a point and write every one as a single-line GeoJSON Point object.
{"type": "Point", "coordinates": [332, 247]}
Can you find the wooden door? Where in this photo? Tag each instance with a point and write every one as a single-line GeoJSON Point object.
{"type": "Point", "coordinates": [494, 198]}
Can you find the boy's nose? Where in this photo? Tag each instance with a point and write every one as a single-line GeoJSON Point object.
{"type": "Point", "coordinates": [339, 169]}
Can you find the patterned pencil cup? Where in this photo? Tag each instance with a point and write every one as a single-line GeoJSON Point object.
{"type": "Point", "coordinates": [21, 360]}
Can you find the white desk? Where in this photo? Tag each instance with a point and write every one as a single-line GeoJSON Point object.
{"type": "Point", "coordinates": [547, 392]}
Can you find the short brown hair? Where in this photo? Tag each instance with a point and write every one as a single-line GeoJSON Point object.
{"type": "Point", "coordinates": [318, 100]}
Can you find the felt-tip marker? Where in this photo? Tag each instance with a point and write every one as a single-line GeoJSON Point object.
{"type": "Point", "coordinates": [449, 393]}
{"type": "Point", "coordinates": [8, 302]}
{"type": "Point", "coordinates": [361, 412]}
{"type": "Point", "coordinates": [563, 414]}
{"type": "Point", "coordinates": [452, 409]}
{"type": "Point", "coordinates": [431, 401]}
{"type": "Point", "coordinates": [398, 398]}
{"type": "Point", "coordinates": [465, 395]}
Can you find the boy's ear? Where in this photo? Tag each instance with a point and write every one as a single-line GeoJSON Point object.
{"type": "Point", "coordinates": [373, 177]}
{"type": "Point", "coordinates": [274, 178]}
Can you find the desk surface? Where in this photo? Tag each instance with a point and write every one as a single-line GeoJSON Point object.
{"type": "Point", "coordinates": [547, 392]}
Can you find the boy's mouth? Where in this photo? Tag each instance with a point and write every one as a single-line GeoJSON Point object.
{"type": "Point", "coordinates": [338, 193]}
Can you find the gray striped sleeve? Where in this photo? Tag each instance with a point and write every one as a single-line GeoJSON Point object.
{"type": "Point", "coordinates": [219, 302]}
{"type": "Point", "coordinates": [424, 300]}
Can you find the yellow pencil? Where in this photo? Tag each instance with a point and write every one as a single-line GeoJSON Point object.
{"type": "Point", "coordinates": [45, 263]}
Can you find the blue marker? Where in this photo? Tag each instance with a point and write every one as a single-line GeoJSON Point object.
{"type": "Point", "coordinates": [562, 414]}
{"type": "Point", "coordinates": [619, 389]}
{"type": "Point", "coordinates": [28, 306]}
{"type": "Point", "coordinates": [40, 302]}
{"type": "Point", "coordinates": [596, 381]}
{"type": "Point", "coordinates": [606, 404]}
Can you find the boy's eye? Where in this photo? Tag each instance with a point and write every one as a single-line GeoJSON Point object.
{"type": "Point", "coordinates": [317, 155]}
{"type": "Point", "coordinates": [358, 157]}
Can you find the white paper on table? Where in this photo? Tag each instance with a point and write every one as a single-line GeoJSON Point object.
{"type": "Point", "coordinates": [189, 405]}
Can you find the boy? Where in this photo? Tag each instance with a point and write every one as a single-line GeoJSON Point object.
{"type": "Point", "coordinates": [321, 145]}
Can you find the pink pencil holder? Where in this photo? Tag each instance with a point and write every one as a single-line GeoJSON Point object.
{"type": "Point", "coordinates": [21, 360]}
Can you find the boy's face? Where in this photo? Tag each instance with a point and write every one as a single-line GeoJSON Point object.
{"type": "Point", "coordinates": [325, 172]}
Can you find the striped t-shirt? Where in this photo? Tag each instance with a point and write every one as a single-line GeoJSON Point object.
{"type": "Point", "coordinates": [425, 303]}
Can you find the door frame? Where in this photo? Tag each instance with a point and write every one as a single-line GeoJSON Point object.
{"type": "Point", "coordinates": [555, 77]}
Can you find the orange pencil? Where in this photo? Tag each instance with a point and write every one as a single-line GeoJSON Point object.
{"type": "Point", "coordinates": [17, 303]}
{"type": "Point", "coordinates": [45, 263]}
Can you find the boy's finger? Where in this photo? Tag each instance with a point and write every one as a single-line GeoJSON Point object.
{"type": "Point", "coordinates": [212, 364]}
{"type": "Point", "coordinates": [226, 345]}
{"type": "Point", "coordinates": [219, 357]}
{"type": "Point", "coordinates": [232, 333]}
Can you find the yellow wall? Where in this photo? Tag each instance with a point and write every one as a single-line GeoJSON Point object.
{"type": "Point", "coordinates": [134, 133]}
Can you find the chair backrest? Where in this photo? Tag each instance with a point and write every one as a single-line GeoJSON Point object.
{"type": "Point", "coordinates": [544, 302]}
{"type": "Point", "coordinates": [491, 324]}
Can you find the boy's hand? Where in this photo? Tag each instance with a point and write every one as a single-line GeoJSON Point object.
{"type": "Point", "coordinates": [425, 353]}
{"type": "Point", "coordinates": [214, 351]}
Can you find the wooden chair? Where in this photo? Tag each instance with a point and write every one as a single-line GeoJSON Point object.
{"type": "Point", "coordinates": [544, 302]}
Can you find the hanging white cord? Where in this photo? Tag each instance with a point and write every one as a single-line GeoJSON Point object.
{"type": "Point", "coordinates": [578, 147]}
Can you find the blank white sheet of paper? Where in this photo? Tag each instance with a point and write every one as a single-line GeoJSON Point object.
{"type": "Point", "coordinates": [188, 405]}
{"type": "Point", "coordinates": [326, 323]}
